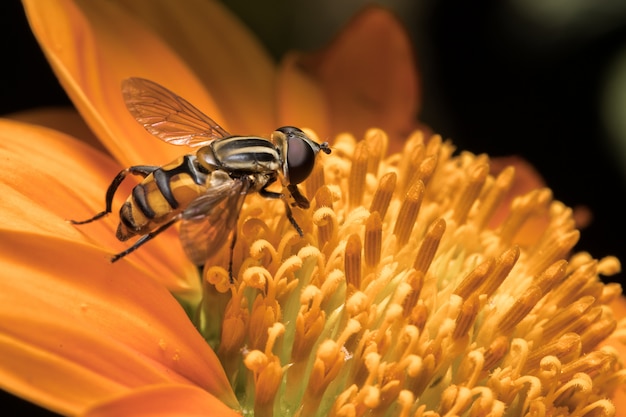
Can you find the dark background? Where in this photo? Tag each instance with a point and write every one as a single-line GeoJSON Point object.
{"type": "Point", "coordinates": [493, 81]}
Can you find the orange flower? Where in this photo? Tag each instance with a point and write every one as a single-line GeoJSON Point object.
{"type": "Point", "coordinates": [400, 298]}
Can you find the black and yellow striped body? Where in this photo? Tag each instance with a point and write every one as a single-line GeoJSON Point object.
{"type": "Point", "coordinates": [161, 196]}
{"type": "Point", "coordinates": [241, 155]}
{"type": "Point", "coordinates": [168, 190]}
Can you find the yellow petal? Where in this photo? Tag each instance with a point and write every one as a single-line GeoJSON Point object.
{"type": "Point", "coordinates": [224, 54]}
{"type": "Point", "coordinates": [369, 76]}
{"type": "Point", "coordinates": [49, 177]}
{"type": "Point", "coordinates": [92, 47]}
{"type": "Point", "coordinates": [163, 400]}
{"type": "Point", "coordinates": [73, 331]}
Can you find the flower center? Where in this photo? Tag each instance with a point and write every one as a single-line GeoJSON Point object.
{"type": "Point", "coordinates": [405, 298]}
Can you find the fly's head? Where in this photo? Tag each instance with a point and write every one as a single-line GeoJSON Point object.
{"type": "Point", "coordinates": [298, 152]}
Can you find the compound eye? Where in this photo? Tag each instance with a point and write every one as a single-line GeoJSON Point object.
{"type": "Point", "coordinates": [300, 159]}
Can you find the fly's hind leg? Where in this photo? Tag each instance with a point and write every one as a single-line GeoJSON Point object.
{"type": "Point", "coordinates": [143, 239]}
{"type": "Point", "coordinates": [141, 170]}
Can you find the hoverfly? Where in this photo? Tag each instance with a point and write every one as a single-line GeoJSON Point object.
{"type": "Point", "coordinates": [206, 190]}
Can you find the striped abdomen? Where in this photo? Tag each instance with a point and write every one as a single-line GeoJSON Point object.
{"type": "Point", "coordinates": [161, 195]}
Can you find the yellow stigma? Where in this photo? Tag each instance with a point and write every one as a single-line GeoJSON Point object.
{"type": "Point", "coordinates": [405, 297]}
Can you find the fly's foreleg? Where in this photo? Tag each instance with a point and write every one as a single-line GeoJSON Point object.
{"type": "Point", "coordinates": [141, 170]}
{"type": "Point", "coordinates": [299, 198]}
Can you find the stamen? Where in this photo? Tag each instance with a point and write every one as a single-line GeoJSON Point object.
{"type": "Point", "coordinates": [586, 320]}
{"type": "Point", "coordinates": [426, 169]}
{"type": "Point", "coordinates": [455, 400]}
{"type": "Point", "coordinates": [600, 408]}
{"type": "Point", "coordinates": [429, 245]}
{"type": "Point", "coordinates": [494, 197]}
{"type": "Point", "coordinates": [549, 278]}
{"type": "Point", "coordinates": [466, 317]}
{"type": "Point", "coordinates": [315, 180]}
{"type": "Point", "coordinates": [261, 250]}
{"type": "Point", "coordinates": [495, 352]}
{"type": "Point", "coordinates": [555, 248]}
{"type": "Point", "coordinates": [566, 348]}
{"type": "Point", "coordinates": [309, 323]}
{"type": "Point", "coordinates": [234, 327]}
{"type": "Point", "coordinates": [416, 280]}
{"type": "Point", "coordinates": [571, 392]}
{"type": "Point", "coordinates": [265, 311]}
{"type": "Point", "coordinates": [373, 240]}
{"type": "Point", "coordinates": [504, 265]}
{"type": "Point", "coordinates": [325, 217]}
{"type": "Point", "coordinates": [352, 263]}
{"type": "Point", "coordinates": [412, 154]}
{"type": "Point", "coordinates": [564, 319]}
{"type": "Point", "coordinates": [383, 194]}
{"type": "Point", "coordinates": [609, 266]}
{"type": "Point", "coordinates": [358, 171]}
{"type": "Point", "coordinates": [377, 143]}
{"type": "Point", "coordinates": [580, 283]}
{"type": "Point", "coordinates": [596, 333]}
{"type": "Point", "coordinates": [329, 359]}
{"type": "Point", "coordinates": [408, 213]}
{"type": "Point", "coordinates": [267, 372]}
{"type": "Point", "coordinates": [475, 181]}
{"type": "Point", "coordinates": [470, 369]}
{"type": "Point", "coordinates": [474, 280]}
{"type": "Point", "coordinates": [520, 309]}
{"type": "Point", "coordinates": [522, 209]}
{"type": "Point", "coordinates": [592, 364]}
{"type": "Point", "coordinates": [406, 400]}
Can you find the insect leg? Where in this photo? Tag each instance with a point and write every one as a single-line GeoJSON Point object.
{"type": "Point", "coordinates": [292, 220]}
{"type": "Point", "coordinates": [142, 170]}
{"type": "Point", "coordinates": [301, 201]}
{"type": "Point", "coordinates": [143, 239]}
{"type": "Point", "coordinates": [231, 280]}
{"type": "Point", "coordinates": [270, 194]}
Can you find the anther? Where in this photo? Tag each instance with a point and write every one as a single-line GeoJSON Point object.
{"type": "Point", "coordinates": [383, 194]}
{"type": "Point", "coordinates": [352, 263]}
{"type": "Point", "coordinates": [358, 171]}
{"type": "Point", "coordinates": [373, 240]}
{"type": "Point", "coordinates": [520, 309]}
{"type": "Point", "coordinates": [429, 245]}
{"type": "Point", "coordinates": [408, 213]}
{"type": "Point", "coordinates": [475, 182]}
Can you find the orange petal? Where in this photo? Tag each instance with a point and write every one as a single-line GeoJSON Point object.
{"type": "Point", "coordinates": [301, 99]}
{"type": "Point", "coordinates": [163, 400]}
{"type": "Point", "coordinates": [369, 76]}
{"type": "Point", "coordinates": [73, 331]}
{"type": "Point", "coordinates": [92, 47]}
{"type": "Point", "coordinates": [49, 177]}
{"type": "Point", "coordinates": [224, 54]}
{"type": "Point", "coordinates": [63, 119]}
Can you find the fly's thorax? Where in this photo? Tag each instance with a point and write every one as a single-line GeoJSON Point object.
{"type": "Point", "coordinates": [241, 154]}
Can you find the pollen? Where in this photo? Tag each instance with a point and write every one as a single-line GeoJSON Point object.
{"type": "Point", "coordinates": [418, 288]}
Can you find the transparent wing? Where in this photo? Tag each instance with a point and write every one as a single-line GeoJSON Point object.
{"type": "Point", "coordinates": [208, 220]}
{"type": "Point", "coordinates": [167, 116]}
